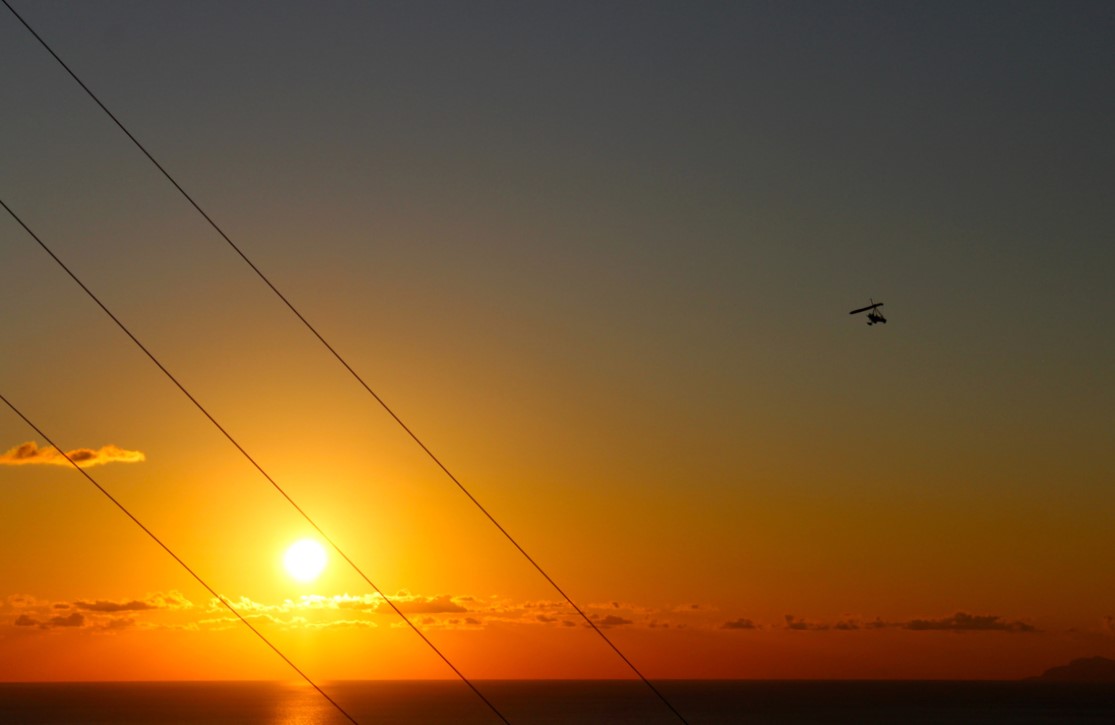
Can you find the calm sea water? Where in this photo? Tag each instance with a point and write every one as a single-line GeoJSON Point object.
{"type": "Point", "coordinates": [441, 703]}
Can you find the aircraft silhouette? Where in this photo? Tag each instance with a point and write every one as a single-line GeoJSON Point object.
{"type": "Point", "coordinates": [873, 314]}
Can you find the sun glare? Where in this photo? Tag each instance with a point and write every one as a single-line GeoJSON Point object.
{"type": "Point", "coordinates": [305, 560]}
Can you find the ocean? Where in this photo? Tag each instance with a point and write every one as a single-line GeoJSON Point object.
{"type": "Point", "coordinates": [554, 702]}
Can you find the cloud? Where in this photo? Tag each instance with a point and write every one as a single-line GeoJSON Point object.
{"type": "Point", "coordinates": [452, 611]}
{"type": "Point", "coordinates": [173, 599]}
{"type": "Point", "coordinates": [105, 606]}
{"type": "Point", "coordinates": [247, 606]}
{"type": "Point", "coordinates": [339, 624]}
{"type": "Point", "coordinates": [368, 602]}
{"type": "Point", "coordinates": [161, 600]}
{"type": "Point", "coordinates": [91, 614]}
{"type": "Point", "coordinates": [23, 601]}
{"type": "Point", "coordinates": [798, 624]}
{"type": "Point", "coordinates": [964, 622]}
{"type": "Point", "coordinates": [544, 604]}
{"type": "Point", "coordinates": [75, 619]}
{"type": "Point", "coordinates": [316, 603]}
{"type": "Point", "coordinates": [316, 611]}
{"type": "Point", "coordinates": [441, 604]}
{"type": "Point", "coordinates": [30, 454]}
{"type": "Point", "coordinates": [851, 623]}
{"type": "Point", "coordinates": [624, 614]}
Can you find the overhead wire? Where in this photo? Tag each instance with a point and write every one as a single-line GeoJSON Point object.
{"type": "Point", "coordinates": [305, 516]}
{"type": "Point", "coordinates": [178, 559]}
{"type": "Point", "coordinates": [344, 363]}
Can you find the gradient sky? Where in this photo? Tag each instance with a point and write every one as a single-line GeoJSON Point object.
{"type": "Point", "coordinates": [599, 256]}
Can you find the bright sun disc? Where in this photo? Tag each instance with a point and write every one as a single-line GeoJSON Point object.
{"type": "Point", "coordinates": [304, 560]}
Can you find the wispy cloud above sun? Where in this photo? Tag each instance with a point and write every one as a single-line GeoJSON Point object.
{"type": "Point", "coordinates": [30, 453]}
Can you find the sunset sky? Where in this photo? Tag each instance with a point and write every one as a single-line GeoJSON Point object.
{"type": "Point", "coordinates": [599, 256]}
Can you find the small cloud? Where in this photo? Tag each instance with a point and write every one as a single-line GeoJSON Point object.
{"type": "Point", "coordinates": [70, 620]}
{"type": "Point", "coordinates": [339, 624]}
{"type": "Point", "coordinates": [98, 614]}
{"type": "Point", "coordinates": [964, 622]}
{"type": "Point", "coordinates": [441, 604]}
{"type": "Point", "coordinates": [612, 621]}
{"type": "Point", "coordinates": [30, 454]}
{"type": "Point", "coordinates": [363, 602]}
{"type": "Point", "coordinates": [23, 601]}
{"type": "Point", "coordinates": [741, 623]}
{"type": "Point", "coordinates": [692, 607]}
{"type": "Point", "coordinates": [106, 606]}
{"type": "Point", "coordinates": [853, 622]}
{"type": "Point", "coordinates": [242, 604]}
{"type": "Point", "coordinates": [160, 600]}
{"type": "Point", "coordinates": [173, 599]}
{"type": "Point", "coordinates": [797, 624]}
{"type": "Point", "coordinates": [75, 619]}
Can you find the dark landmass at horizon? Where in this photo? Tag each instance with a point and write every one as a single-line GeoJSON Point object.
{"type": "Point", "coordinates": [1083, 669]}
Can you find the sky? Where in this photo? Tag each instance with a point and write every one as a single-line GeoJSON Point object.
{"type": "Point", "coordinates": [599, 257]}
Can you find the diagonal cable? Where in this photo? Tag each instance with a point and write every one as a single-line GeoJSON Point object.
{"type": "Point", "coordinates": [178, 559]}
{"type": "Point", "coordinates": [347, 367]}
{"type": "Point", "coordinates": [336, 547]}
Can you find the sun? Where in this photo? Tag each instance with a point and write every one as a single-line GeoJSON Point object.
{"type": "Point", "coordinates": [305, 560]}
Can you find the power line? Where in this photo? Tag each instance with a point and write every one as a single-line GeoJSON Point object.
{"type": "Point", "coordinates": [336, 547]}
{"type": "Point", "coordinates": [348, 367]}
{"type": "Point", "coordinates": [178, 559]}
